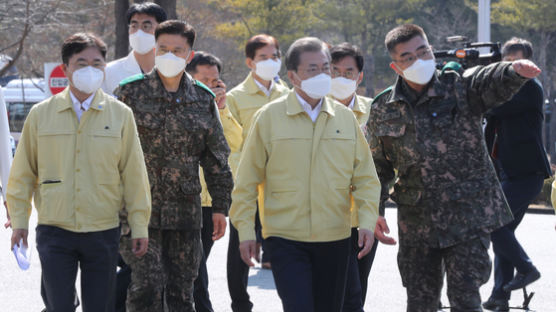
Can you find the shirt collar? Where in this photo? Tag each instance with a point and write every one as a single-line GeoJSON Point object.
{"type": "Point", "coordinates": [266, 91]}
{"type": "Point", "coordinates": [86, 104]}
{"type": "Point", "coordinates": [295, 104]}
{"type": "Point", "coordinates": [306, 106]}
{"type": "Point", "coordinates": [352, 103]}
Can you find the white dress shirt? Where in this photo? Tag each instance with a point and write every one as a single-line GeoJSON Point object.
{"type": "Point", "coordinates": [313, 113]}
{"type": "Point", "coordinates": [79, 107]}
{"type": "Point", "coordinates": [119, 70]}
{"type": "Point", "coordinates": [352, 103]}
{"type": "Point", "coordinates": [263, 88]}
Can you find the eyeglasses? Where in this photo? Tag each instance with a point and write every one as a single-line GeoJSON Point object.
{"type": "Point", "coordinates": [314, 70]}
{"type": "Point", "coordinates": [422, 53]}
{"type": "Point", "coordinates": [146, 26]}
{"type": "Point", "coordinates": [349, 74]}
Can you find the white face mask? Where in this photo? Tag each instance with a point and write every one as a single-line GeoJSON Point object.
{"type": "Point", "coordinates": [141, 42]}
{"type": "Point", "coordinates": [169, 65]}
{"type": "Point", "coordinates": [268, 69]}
{"type": "Point", "coordinates": [316, 87]}
{"type": "Point", "coordinates": [420, 72]}
{"type": "Point", "coordinates": [87, 79]}
{"type": "Point", "coordinates": [342, 88]}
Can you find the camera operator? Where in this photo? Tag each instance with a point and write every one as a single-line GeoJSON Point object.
{"type": "Point", "coordinates": [514, 139]}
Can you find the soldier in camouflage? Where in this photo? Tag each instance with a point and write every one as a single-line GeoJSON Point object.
{"type": "Point", "coordinates": [179, 129]}
{"type": "Point", "coordinates": [428, 128]}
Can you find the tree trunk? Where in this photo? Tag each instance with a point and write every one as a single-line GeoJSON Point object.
{"type": "Point", "coordinates": [122, 40]}
{"type": "Point", "coordinates": [369, 68]}
{"type": "Point", "coordinates": [169, 6]}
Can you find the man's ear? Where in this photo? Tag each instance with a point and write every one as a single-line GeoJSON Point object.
{"type": "Point", "coordinates": [190, 56]}
{"type": "Point", "coordinates": [65, 69]}
{"type": "Point", "coordinates": [292, 78]}
{"type": "Point", "coordinates": [360, 78]}
{"type": "Point", "coordinates": [396, 69]}
{"type": "Point", "coordinates": [250, 63]}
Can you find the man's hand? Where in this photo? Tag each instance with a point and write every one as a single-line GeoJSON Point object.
{"type": "Point", "coordinates": [139, 246]}
{"type": "Point", "coordinates": [9, 222]}
{"type": "Point", "coordinates": [17, 235]}
{"type": "Point", "coordinates": [526, 68]}
{"type": "Point", "coordinates": [220, 92]}
{"type": "Point", "coordinates": [218, 225]}
{"type": "Point", "coordinates": [366, 240]}
{"type": "Point", "coordinates": [381, 229]}
{"type": "Point", "coordinates": [247, 249]}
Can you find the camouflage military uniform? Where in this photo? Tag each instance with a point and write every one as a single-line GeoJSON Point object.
{"type": "Point", "coordinates": [178, 131]}
{"type": "Point", "coordinates": [448, 196]}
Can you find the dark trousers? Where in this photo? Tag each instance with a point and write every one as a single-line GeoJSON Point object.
{"type": "Point", "coordinates": [467, 266]}
{"type": "Point", "coordinates": [61, 252]}
{"type": "Point", "coordinates": [123, 279]}
{"type": "Point", "coordinates": [237, 271]}
{"type": "Point", "coordinates": [309, 276]}
{"type": "Point", "coordinates": [358, 275]}
{"type": "Point", "coordinates": [508, 253]}
{"type": "Point", "coordinates": [200, 288]}
{"type": "Point", "coordinates": [237, 275]}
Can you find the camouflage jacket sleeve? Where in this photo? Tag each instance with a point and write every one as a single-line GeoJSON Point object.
{"type": "Point", "coordinates": [214, 161]}
{"type": "Point", "coordinates": [492, 85]}
{"type": "Point", "coordinates": [384, 168]}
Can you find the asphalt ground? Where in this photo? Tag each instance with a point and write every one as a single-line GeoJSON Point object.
{"type": "Point", "coordinates": [20, 290]}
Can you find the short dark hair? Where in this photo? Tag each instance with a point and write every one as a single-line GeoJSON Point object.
{"type": "Point", "coordinates": [148, 8]}
{"type": "Point", "coordinates": [515, 45]}
{"type": "Point", "coordinates": [338, 52]}
{"type": "Point", "coordinates": [306, 44]}
{"type": "Point", "coordinates": [259, 41]}
{"type": "Point", "coordinates": [175, 27]}
{"type": "Point", "coordinates": [401, 34]}
{"type": "Point", "coordinates": [78, 42]}
{"type": "Point", "coordinates": [203, 58]}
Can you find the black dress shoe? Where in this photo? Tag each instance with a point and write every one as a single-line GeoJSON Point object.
{"type": "Point", "coordinates": [493, 304]}
{"type": "Point", "coordinates": [521, 280]}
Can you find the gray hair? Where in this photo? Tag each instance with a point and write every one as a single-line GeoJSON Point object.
{"type": "Point", "coordinates": [306, 44]}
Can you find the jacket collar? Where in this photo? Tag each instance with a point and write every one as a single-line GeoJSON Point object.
{"type": "Point", "coordinates": [157, 87]}
{"type": "Point", "coordinates": [358, 105]}
{"type": "Point", "coordinates": [64, 101]}
{"type": "Point", "coordinates": [294, 107]}
{"type": "Point", "coordinates": [250, 85]}
{"type": "Point", "coordinates": [435, 89]}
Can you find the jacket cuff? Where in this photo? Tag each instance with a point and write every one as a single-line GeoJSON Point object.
{"type": "Point", "coordinates": [246, 233]}
{"type": "Point", "coordinates": [514, 75]}
{"type": "Point", "coordinates": [218, 208]}
{"type": "Point", "coordinates": [20, 223]}
{"type": "Point", "coordinates": [139, 231]}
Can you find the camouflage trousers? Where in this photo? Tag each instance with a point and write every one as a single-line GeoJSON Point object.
{"type": "Point", "coordinates": [467, 266]}
{"type": "Point", "coordinates": [162, 280]}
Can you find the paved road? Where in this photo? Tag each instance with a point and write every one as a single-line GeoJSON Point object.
{"type": "Point", "coordinates": [19, 290]}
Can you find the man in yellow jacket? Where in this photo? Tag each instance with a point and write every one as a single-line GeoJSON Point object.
{"type": "Point", "coordinates": [80, 159]}
{"type": "Point", "coordinates": [262, 85]}
{"type": "Point", "coordinates": [310, 154]}
{"type": "Point", "coordinates": [206, 68]}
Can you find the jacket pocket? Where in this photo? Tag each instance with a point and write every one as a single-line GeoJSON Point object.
{"type": "Point", "coordinates": [109, 198]}
{"type": "Point", "coordinates": [52, 206]}
{"type": "Point", "coordinates": [106, 147]}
